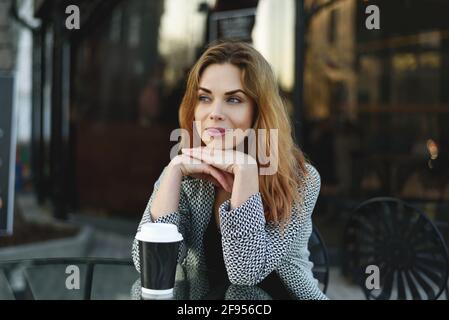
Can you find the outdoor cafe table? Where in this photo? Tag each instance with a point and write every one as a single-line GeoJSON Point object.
{"type": "Point", "coordinates": [107, 279]}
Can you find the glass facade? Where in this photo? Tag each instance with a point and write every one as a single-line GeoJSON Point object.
{"type": "Point", "coordinates": [377, 110]}
{"type": "Point", "coordinates": [373, 117]}
{"type": "Point", "coordinates": [127, 80]}
{"type": "Point", "coordinates": [128, 77]}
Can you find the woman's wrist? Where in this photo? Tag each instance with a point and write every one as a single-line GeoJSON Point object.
{"type": "Point", "coordinates": [245, 170]}
{"type": "Point", "coordinates": [167, 197]}
{"type": "Point", "coordinates": [246, 184]}
{"type": "Point", "coordinates": [175, 167]}
{"type": "Point", "coordinates": [174, 174]}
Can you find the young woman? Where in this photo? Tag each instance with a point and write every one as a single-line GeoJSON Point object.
{"type": "Point", "coordinates": [246, 225]}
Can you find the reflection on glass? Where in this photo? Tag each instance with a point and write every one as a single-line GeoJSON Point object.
{"type": "Point", "coordinates": [128, 77]}
{"type": "Point", "coordinates": [376, 111]}
{"type": "Point", "coordinates": [193, 284]}
{"type": "Point", "coordinates": [274, 37]}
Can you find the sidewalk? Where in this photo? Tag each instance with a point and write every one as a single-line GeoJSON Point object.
{"type": "Point", "coordinates": [97, 237]}
{"type": "Point", "coordinates": [112, 237]}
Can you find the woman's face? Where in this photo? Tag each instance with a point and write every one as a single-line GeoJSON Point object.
{"type": "Point", "coordinates": [222, 106]}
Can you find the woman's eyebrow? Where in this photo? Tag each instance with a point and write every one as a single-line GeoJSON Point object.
{"type": "Point", "coordinates": [234, 91]}
{"type": "Point", "coordinates": [204, 89]}
{"type": "Point", "coordinates": [226, 94]}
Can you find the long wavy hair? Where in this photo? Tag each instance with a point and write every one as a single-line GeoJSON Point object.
{"type": "Point", "coordinates": [281, 190]}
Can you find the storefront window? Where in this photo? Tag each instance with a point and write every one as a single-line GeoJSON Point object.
{"type": "Point", "coordinates": [128, 75]}
{"type": "Point", "coordinates": [274, 37]}
{"type": "Point", "coordinates": [128, 78]}
{"type": "Point", "coordinates": [375, 112]}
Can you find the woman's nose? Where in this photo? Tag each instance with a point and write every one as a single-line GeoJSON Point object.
{"type": "Point", "coordinates": [216, 113]}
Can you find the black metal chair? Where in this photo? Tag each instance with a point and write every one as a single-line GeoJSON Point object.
{"type": "Point", "coordinates": [320, 259]}
{"type": "Point", "coordinates": [403, 243]}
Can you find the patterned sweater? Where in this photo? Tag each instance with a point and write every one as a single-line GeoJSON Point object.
{"type": "Point", "coordinates": [252, 247]}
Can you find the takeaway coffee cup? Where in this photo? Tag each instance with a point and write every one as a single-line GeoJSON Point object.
{"type": "Point", "coordinates": [158, 250]}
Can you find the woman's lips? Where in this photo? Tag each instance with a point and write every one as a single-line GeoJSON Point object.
{"type": "Point", "coordinates": [216, 132]}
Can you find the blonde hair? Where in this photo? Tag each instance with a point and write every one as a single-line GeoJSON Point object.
{"type": "Point", "coordinates": [279, 191]}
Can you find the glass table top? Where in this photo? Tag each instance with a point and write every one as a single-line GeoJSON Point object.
{"type": "Point", "coordinates": [109, 279]}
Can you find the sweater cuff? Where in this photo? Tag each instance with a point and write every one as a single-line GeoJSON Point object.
{"type": "Point", "coordinates": [244, 220]}
{"type": "Point", "coordinates": [169, 218]}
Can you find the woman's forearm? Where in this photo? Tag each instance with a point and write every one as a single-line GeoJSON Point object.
{"type": "Point", "coordinates": [166, 200]}
{"type": "Point", "coordinates": [246, 183]}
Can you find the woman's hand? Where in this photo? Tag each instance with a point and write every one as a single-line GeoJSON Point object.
{"type": "Point", "coordinates": [226, 160]}
{"type": "Point", "coordinates": [190, 166]}
{"type": "Point", "coordinates": [242, 166]}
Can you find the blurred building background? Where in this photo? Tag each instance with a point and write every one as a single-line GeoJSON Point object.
{"type": "Point", "coordinates": [97, 105]}
{"type": "Point", "coordinates": [376, 107]}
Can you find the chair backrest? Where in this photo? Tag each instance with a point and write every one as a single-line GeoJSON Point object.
{"type": "Point", "coordinates": [396, 242]}
{"type": "Point", "coordinates": [320, 259]}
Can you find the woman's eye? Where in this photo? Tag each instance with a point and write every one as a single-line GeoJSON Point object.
{"type": "Point", "coordinates": [234, 100]}
{"type": "Point", "coordinates": [204, 98]}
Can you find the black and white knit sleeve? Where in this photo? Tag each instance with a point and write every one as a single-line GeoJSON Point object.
{"type": "Point", "coordinates": [179, 218]}
{"type": "Point", "coordinates": [253, 248]}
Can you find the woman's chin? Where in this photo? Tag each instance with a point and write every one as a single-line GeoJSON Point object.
{"type": "Point", "coordinates": [218, 144]}
{"type": "Point", "coordinates": [214, 146]}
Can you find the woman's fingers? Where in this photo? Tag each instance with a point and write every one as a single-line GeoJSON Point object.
{"type": "Point", "coordinates": [224, 160]}
{"type": "Point", "coordinates": [218, 176]}
{"type": "Point", "coordinates": [213, 157]}
{"type": "Point", "coordinates": [197, 153]}
{"type": "Point", "coordinates": [197, 167]}
{"type": "Point", "coordinates": [229, 179]}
